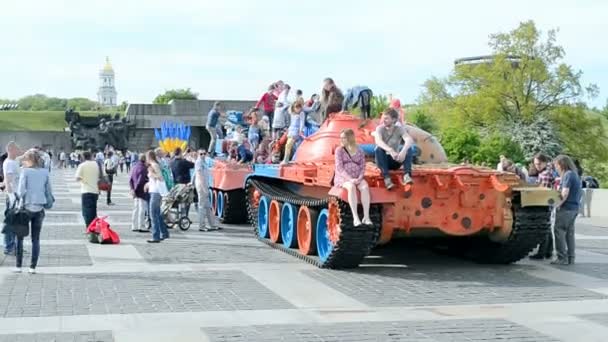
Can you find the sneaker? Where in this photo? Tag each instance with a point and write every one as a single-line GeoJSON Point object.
{"type": "Point", "coordinates": [32, 270]}
{"type": "Point", "coordinates": [111, 204]}
{"type": "Point", "coordinates": [11, 252]}
{"type": "Point", "coordinates": [153, 241]}
{"type": "Point", "coordinates": [17, 270]}
{"type": "Point", "coordinates": [570, 260]}
{"type": "Point", "coordinates": [389, 183]}
{"type": "Point", "coordinates": [537, 256]}
{"type": "Point", "coordinates": [559, 262]}
{"type": "Point", "coordinates": [367, 221]}
{"type": "Point", "coordinates": [203, 229]}
{"type": "Point", "coordinates": [407, 179]}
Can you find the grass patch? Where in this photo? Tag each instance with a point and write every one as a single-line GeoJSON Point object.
{"type": "Point", "coordinates": [35, 120]}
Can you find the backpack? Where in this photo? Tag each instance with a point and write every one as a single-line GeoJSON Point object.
{"type": "Point", "coordinates": [110, 166]}
{"type": "Point", "coordinates": [99, 231]}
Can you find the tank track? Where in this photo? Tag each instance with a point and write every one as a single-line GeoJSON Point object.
{"type": "Point", "coordinates": [233, 212]}
{"type": "Point", "coordinates": [530, 226]}
{"type": "Point", "coordinates": [355, 242]}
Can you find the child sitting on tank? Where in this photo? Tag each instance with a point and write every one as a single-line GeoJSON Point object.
{"type": "Point", "coordinates": [296, 128]}
{"type": "Point", "coordinates": [263, 152]}
{"type": "Point", "coordinates": [277, 147]}
{"type": "Point", "coordinates": [240, 152]}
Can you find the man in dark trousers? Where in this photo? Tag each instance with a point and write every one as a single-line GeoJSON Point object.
{"type": "Point", "coordinates": [137, 182]}
{"type": "Point", "coordinates": [180, 168]}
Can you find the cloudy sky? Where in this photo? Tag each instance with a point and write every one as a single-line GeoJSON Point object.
{"type": "Point", "coordinates": [232, 49]}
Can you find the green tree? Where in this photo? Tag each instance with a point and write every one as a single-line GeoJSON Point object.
{"type": "Point", "coordinates": [379, 104]}
{"type": "Point", "coordinates": [81, 104]}
{"type": "Point", "coordinates": [524, 78]}
{"type": "Point", "coordinates": [491, 147]}
{"type": "Point", "coordinates": [460, 144]}
{"type": "Point", "coordinates": [422, 120]}
{"type": "Point", "coordinates": [175, 94]}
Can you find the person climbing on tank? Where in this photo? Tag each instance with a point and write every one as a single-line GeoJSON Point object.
{"type": "Point", "coordinates": [267, 101]}
{"type": "Point", "coordinates": [262, 153]}
{"type": "Point", "coordinates": [280, 121]}
{"type": "Point", "coordinates": [331, 99]}
{"type": "Point", "coordinates": [350, 169]}
{"type": "Point", "coordinates": [388, 137]}
{"type": "Point", "coordinates": [359, 96]}
{"type": "Point", "coordinates": [296, 128]}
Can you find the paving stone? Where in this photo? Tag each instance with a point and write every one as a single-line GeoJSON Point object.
{"type": "Point", "coordinates": [24, 295]}
{"type": "Point", "coordinates": [82, 336]}
{"type": "Point", "coordinates": [199, 252]}
{"type": "Point", "coordinates": [428, 331]}
{"type": "Point", "coordinates": [446, 285]}
{"type": "Point", "coordinates": [601, 318]}
{"type": "Point", "coordinates": [53, 255]}
{"type": "Point", "coordinates": [596, 246]}
{"type": "Point", "coordinates": [587, 229]}
{"type": "Point", "coordinates": [596, 270]}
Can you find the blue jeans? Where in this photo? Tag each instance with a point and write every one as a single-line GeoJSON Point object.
{"type": "Point", "coordinates": [36, 219]}
{"type": "Point", "coordinates": [89, 207]}
{"type": "Point", "coordinates": [386, 163]}
{"type": "Point", "coordinates": [9, 237]}
{"type": "Point", "coordinates": [159, 228]}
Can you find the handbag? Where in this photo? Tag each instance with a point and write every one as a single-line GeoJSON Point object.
{"type": "Point", "coordinates": [50, 199]}
{"type": "Point", "coordinates": [103, 184]}
{"type": "Point", "coordinates": [17, 219]}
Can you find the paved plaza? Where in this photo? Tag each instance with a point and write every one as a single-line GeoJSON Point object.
{"type": "Point", "coordinates": [226, 286]}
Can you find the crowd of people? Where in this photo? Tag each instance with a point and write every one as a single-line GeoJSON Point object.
{"type": "Point", "coordinates": [275, 126]}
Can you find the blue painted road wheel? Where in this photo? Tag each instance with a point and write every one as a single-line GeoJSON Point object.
{"type": "Point", "coordinates": [288, 225]}
{"type": "Point", "coordinates": [263, 217]}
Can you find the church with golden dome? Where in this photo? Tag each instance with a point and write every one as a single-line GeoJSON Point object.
{"type": "Point", "coordinates": [106, 95]}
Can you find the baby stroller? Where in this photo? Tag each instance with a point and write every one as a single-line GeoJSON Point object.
{"type": "Point", "coordinates": [173, 206]}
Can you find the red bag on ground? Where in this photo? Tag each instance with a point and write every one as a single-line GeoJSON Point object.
{"type": "Point", "coordinates": [101, 227]}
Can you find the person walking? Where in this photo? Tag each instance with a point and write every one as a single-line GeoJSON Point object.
{"type": "Point", "coordinates": [137, 182]}
{"type": "Point", "coordinates": [201, 183]}
{"type": "Point", "coordinates": [157, 189]}
{"type": "Point", "coordinates": [88, 174]}
{"type": "Point", "coordinates": [11, 171]}
{"type": "Point", "coordinates": [110, 166]}
{"type": "Point", "coordinates": [567, 210]}
{"type": "Point", "coordinates": [34, 190]}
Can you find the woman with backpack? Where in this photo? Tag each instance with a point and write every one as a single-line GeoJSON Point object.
{"type": "Point", "coordinates": [36, 194]}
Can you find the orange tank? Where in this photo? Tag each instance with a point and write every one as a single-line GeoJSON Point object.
{"type": "Point", "coordinates": [486, 213]}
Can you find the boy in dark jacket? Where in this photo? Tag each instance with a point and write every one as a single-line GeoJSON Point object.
{"type": "Point", "coordinates": [137, 181]}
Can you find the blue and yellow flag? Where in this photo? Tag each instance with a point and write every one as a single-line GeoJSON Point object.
{"type": "Point", "coordinates": [172, 135]}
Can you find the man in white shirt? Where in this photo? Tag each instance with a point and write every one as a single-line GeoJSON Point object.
{"type": "Point", "coordinates": [11, 170]}
{"type": "Point", "coordinates": [62, 159]}
{"type": "Point", "coordinates": [87, 175]}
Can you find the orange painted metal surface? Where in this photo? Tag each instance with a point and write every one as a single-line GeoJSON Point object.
{"type": "Point", "coordinates": [305, 230]}
{"type": "Point", "coordinates": [455, 199]}
{"type": "Point", "coordinates": [274, 218]}
{"type": "Point", "coordinates": [229, 175]}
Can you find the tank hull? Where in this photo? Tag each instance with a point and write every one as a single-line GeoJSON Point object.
{"type": "Point", "coordinates": [492, 213]}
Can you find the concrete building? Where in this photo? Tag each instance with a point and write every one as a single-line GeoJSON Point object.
{"type": "Point", "coordinates": [190, 112]}
{"type": "Point", "coordinates": [106, 95]}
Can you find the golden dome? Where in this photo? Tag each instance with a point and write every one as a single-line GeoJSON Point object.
{"type": "Point", "coordinates": [108, 66]}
